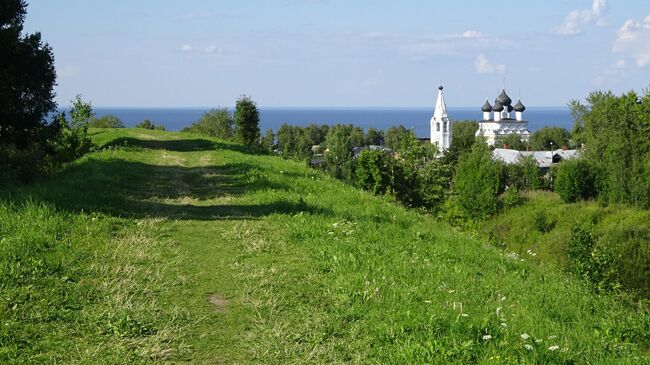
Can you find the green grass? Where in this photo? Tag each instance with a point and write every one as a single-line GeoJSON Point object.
{"type": "Point", "coordinates": [117, 258]}
{"type": "Point", "coordinates": [623, 231]}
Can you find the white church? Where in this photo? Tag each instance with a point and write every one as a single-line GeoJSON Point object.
{"type": "Point", "coordinates": [497, 121]}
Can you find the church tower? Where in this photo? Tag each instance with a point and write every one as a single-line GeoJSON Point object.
{"type": "Point", "coordinates": [440, 124]}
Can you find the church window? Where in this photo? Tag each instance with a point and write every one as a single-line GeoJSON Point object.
{"type": "Point", "coordinates": [437, 127]}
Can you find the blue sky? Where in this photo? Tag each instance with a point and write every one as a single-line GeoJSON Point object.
{"type": "Point", "coordinates": [169, 53]}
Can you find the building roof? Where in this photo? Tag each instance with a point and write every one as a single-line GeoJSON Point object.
{"type": "Point", "coordinates": [542, 158]}
{"type": "Point", "coordinates": [504, 99]}
{"type": "Point", "coordinates": [519, 107]}
{"type": "Point", "coordinates": [498, 107]}
{"type": "Point", "coordinates": [486, 107]}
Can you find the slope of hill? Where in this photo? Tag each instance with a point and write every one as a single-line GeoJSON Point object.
{"type": "Point", "coordinates": [171, 246]}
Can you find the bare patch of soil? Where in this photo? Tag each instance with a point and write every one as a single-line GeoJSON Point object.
{"type": "Point", "coordinates": [218, 302]}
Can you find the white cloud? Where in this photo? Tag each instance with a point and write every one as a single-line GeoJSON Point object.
{"type": "Point", "coordinates": [209, 49]}
{"type": "Point", "coordinates": [484, 66]}
{"type": "Point", "coordinates": [472, 34]}
{"type": "Point", "coordinates": [633, 39]}
{"type": "Point", "coordinates": [577, 18]}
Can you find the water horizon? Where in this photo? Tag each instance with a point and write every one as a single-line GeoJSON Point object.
{"type": "Point", "coordinates": [416, 118]}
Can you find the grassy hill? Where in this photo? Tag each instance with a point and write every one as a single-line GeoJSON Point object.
{"type": "Point", "coordinates": [175, 247]}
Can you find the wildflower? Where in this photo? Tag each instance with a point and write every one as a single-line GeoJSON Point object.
{"type": "Point", "coordinates": [452, 291]}
{"type": "Point", "coordinates": [552, 337]}
{"type": "Point", "coordinates": [503, 324]}
{"type": "Point", "coordinates": [464, 315]}
{"type": "Point", "coordinates": [554, 348]}
{"type": "Point", "coordinates": [524, 336]}
{"type": "Point", "coordinates": [427, 301]}
{"type": "Point", "coordinates": [528, 347]}
{"type": "Point", "coordinates": [487, 337]}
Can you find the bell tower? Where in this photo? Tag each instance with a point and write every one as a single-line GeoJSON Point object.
{"type": "Point", "coordinates": [440, 124]}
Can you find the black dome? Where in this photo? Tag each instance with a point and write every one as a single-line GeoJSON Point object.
{"type": "Point", "coordinates": [497, 107]}
{"type": "Point", "coordinates": [510, 108]}
{"type": "Point", "coordinates": [519, 107]}
{"type": "Point", "coordinates": [504, 99]}
{"type": "Point", "coordinates": [486, 107]}
{"type": "Point", "coordinates": [440, 87]}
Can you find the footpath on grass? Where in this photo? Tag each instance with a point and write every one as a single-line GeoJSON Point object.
{"type": "Point", "coordinates": [176, 247]}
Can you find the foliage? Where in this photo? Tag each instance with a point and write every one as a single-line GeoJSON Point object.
{"type": "Point", "coordinates": [464, 136]}
{"type": "Point", "coordinates": [548, 138]}
{"type": "Point", "coordinates": [147, 124]}
{"type": "Point", "coordinates": [268, 141]}
{"type": "Point", "coordinates": [477, 182]}
{"type": "Point", "coordinates": [294, 142]}
{"type": "Point", "coordinates": [589, 261]}
{"type": "Point", "coordinates": [339, 155]}
{"type": "Point", "coordinates": [107, 121]}
{"type": "Point", "coordinates": [523, 175]}
{"type": "Point", "coordinates": [247, 121]}
{"type": "Point", "coordinates": [575, 179]}
{"type": "Point", "coordinates": [27, 79]}
{"type": "Point", "coordinates": [513, 142]}
{"type": "Point", "coordinates": [214, 123]}
{"type": "Point", "coordinates": [615, 131]}
{"type": "Point", "coordinates": [375, 171]}
{"type": "Point", "coordinates": [316, 134]}
{"type": "Point", "coordinates": [374, 137]}
{"type": "Point", "coordinates": [542, 222]}
{"type": "Point", "coordinates": [394, 135]}
{"type": "Point", "coordinates": [512, 198]}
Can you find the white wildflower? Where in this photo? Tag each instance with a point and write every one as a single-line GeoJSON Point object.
{"type": "Point", "coordinates": [487, 337]}
{"type": "Point", "coordinates": [464, 315]}
{"type": "Point", "coordinates": [427, 301]}
{"type": "Point", "coordinates": [554, 348]}
{"type": "Point", "coordinates": [452, 291]}
{"type": "Point", "coordinates": [503, 324]}
{"type": "Point", "coordinates": [552, 337]}
{"type": "Point", "coordinates": [528, 347]}
{"type": "Point", "coordinates": [524, 336]}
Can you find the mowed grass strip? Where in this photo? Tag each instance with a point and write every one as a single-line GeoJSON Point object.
{"type": "Point", "coordinates": [197, 250]}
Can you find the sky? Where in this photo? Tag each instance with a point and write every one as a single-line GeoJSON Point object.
{"type": "Point", "coordinates": [342, 53]}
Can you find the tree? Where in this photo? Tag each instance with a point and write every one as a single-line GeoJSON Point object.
{"type": "Point", "coordinates": [546, 138]}
{"type": "Point", "coordinates": [477, 182]}
{"type": "Point", "coordinates": [394, 136]}
{"type": "Point", "coordinates": [247, 121]}
{"type": "Point", "coordinates": [147, 124]}
{"type": "Point", "coordinates": [215, 123]}
{"type": "Point", "coordinates": [513, 141]}
{"type": "Point", "coordinates": [464, 136]}
{"type": "Point", "coordinates": [27, 78]}
{"type": "Point", "coordinates": [374, 171]}
{"type": "Point", "coordinates": [268, 141]}
{"type": "Point", "coordinates": [339, 153]}
{"type": "Point", "coordinates": [316, 133]}
{"type": "Point", "coordinates": [107, 121]}
{"type": "Point", "coordinates": [616, 133]}
{"type": "Point", "coordinates": [374, 137]}
{"type": "Point", "coordinates": [574, 180]}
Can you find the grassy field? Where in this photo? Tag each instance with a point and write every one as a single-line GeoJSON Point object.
{"type": "Point", "coordinates": [175, 247]}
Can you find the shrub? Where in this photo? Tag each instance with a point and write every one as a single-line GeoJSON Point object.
{"type": "Point", "coordinates": [247, 121]}
{"type": "Point", "coordinates": [542, 222]}
{"type": "Point", "coordinates": [107, 121]}
{"type": "Point", "coordinates": [592, 262]}
{"type": "Point", "coordinates": [574, 180]}
{"type": "Point", "coordinates": [512, 198]}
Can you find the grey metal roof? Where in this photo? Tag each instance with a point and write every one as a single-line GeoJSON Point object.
{"type": "Point", "coordinates": [519, 107]}
{"type": "Point", "coordinates": [486, 107]}
{"type": "Point", "coordinates": [504, 99]}
{"type": "Point", "coordinates": [542, 158]}
{"type": "Point", "coordinates": [497, 107]}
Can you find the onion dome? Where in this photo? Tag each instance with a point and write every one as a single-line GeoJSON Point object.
{"type": "Point", "coordinates": [440, 87]}
{"type": "Point", "coordinates": [497, 107]}
{"type": "Point", "coordinates": [486, 107]}
{"type": "Point", "coordinates": [510, 108]}
{"type": "Point", "coordinates": [519, 107]}
{"type": "Point", "coordinates": [504, 99]}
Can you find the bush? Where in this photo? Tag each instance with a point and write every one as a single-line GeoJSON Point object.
{"type": "Point", "coordinates": [512, 198]}
{"type": "Point", "coordinates": [592, 262]}
{"type": "Point", "coordinates": [147, 124]}
{"type": "Point", "coordinates": [107, 121]}
{"type": "Point", "coordinates": [574, 179]}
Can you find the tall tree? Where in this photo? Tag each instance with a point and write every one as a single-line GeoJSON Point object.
{"type": "Point", "coordinates": [27, 78]}
{"type": "Point", "coordinates": [546, 138]}
{"type": "Point", "coordinates": [247, 121]}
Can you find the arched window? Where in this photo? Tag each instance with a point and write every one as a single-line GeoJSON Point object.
{"type": "Point", "coordinates": [438, 127]}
